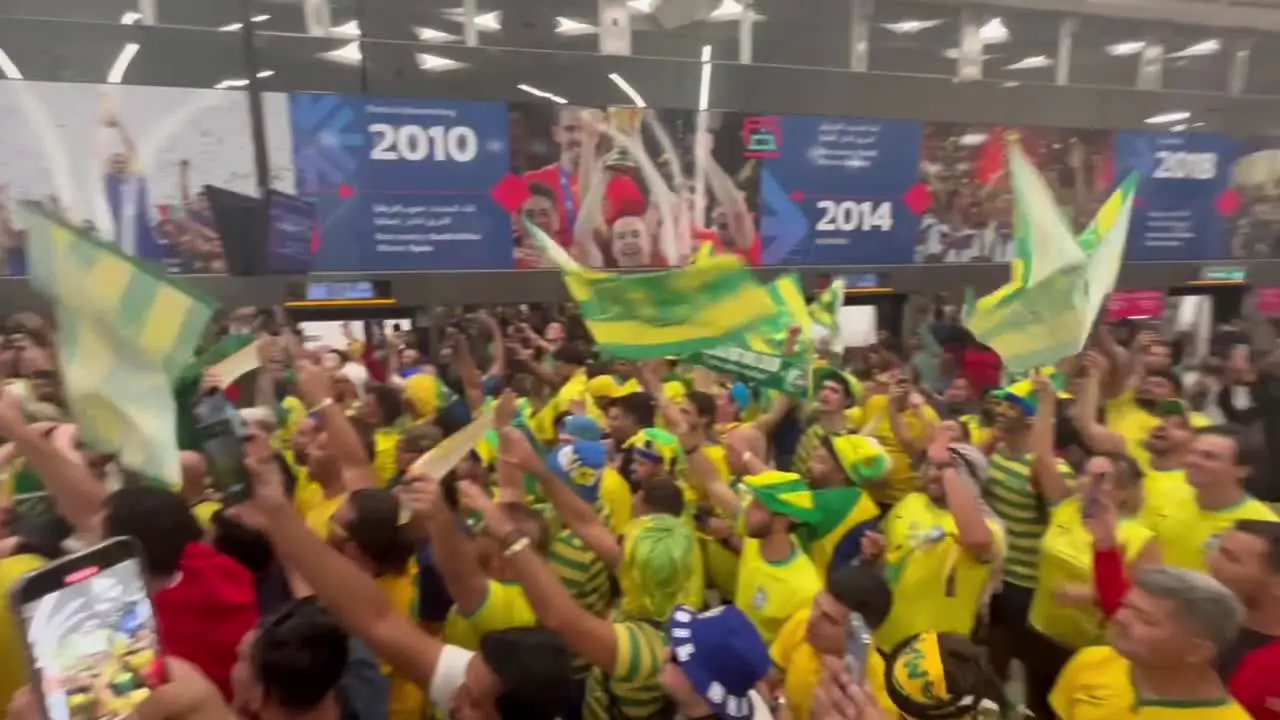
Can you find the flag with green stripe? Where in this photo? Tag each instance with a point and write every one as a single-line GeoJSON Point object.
{"type": "Point", "coordinates": [1058, 280]}
{"type": "Point", "coordinates": [643, 316]}
{"type": "Point", "coordinates": [124, 333]}
{"type": "Point", "coordinates": [761, 357]}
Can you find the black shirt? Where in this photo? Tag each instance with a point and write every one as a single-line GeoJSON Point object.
{"type": "Point", "coordinates": [1246, 642]}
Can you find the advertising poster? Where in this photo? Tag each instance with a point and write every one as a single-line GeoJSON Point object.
{"type": "Point", "coordinates": [397, 184]}
{"type": "Point", "coordinates": [1253, 231]}
{"type": "Point", "coordinates": [837, 191]}
{"type": "Point", "coordinates": [128, 162]}
{"type": "Point", "coordinates": [969, 217]}
{"type": "Point", "coordinates": [1185, 202]}
{"type": "Point", "coordinates": [593, 195]}
{"type": "Point", "coordinates": [293, 234]}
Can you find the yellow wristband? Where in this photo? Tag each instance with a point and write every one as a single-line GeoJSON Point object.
{"type": "Point", "coordinates": [323, 404]}
{"type": "Point", "coordinates": [516, 547]}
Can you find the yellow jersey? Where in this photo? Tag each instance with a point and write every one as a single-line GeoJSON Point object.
{"type": "Point", "coordinates": [1133, 423]}
{"type": "Point", "coordinates": [1066, 560]}
{"type": "Point", "coordinates": [543, 423]}
{"type": "Point", "coordinates": [385, 442]}
{"type": "Point", "coordinates": [632, 690]}
{"type": "Point", "coordinates": [505, 607]}
{"type": "Point", "coordinates": [936, 584]}
{"type": "Point", "coordinates": [321, 513]}
{"type": "Point", "coordinates": [13, 649]}
{"type": "Point", "coordinates": [615, 496]}
{"type": "Point", "coordinates": [1096, 684]}
{"type": "Point", "coordinates": [203, 511]}
{"type": "Point", "coordinates": [902, 478]}
{"type": "Point", "coordinates": [405, 698]}
{"type": "Point", "coordinates": [770, 593]}
{"type": "Point", "coordinates": [800, 667]}
{"type": "Point", "coordinates": [1187, 533]}
{"type": "Point", "coordinates": [1161, 491]}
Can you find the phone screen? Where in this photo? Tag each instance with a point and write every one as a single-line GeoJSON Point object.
{"type": "Point", "coordinates": [858, 643]}
{"type": "Point", "coordinates": [221, 434]}
{"type": "Point", "coordinates": [91, 634]}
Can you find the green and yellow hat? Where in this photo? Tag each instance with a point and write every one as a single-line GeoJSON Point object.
{"type": "Point", "coordinates": [784, 493]}
{"type": "Point", "coordinates": [657, 445]}
{"type": "Point", "coordinates": [916, 681]}
{"type": "Point", "coordinates": [863, 458]}
{"type": "Point", "coordinates": [1022, 394]}
{"type": "Point", "coordinates": [830, 373]}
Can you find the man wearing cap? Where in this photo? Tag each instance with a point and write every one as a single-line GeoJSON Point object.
{"type": "Point", "coordinates": [776, 579]}
{"type": "Point", "coordinates": [716, 660]}
{"type": "Point", "coordinates": [839, 468]}
{"type": "Point", "coordinates": [834, 393]}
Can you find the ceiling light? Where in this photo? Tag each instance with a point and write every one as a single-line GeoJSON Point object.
{"type": "Point", "coordinates": [260, 18]}
{"type": "Point", "coordinates": [727, 7]}
{"type": "Point", "coordinates": [490, 20]}
{"type": "Point", "coordinates": [266, 73]}
{"type": "Point", "coordinates": [993, 32]}
{"type": "Point", "coordinates": [350, 28]}
{"type": "Point", "coordinates": [644, 7]}
{"type": "Point", "coordinates": [911, 27]}
{"type": "Point", "coordinates": [8, 68]}
{"type": "Point", "coordinates": [346, 53]}
{"type": "Point", "coordinates": [1169, 117]}
{"type": "Point", "coordinates": [1010, 83]}
{"type": "Point", "coordinates": [232, 27]}
{"type": "Point", "coordinates": [435, 63]}
{"type": "Point", "coordinates": [426, 34]}
{"type": "Point", "coordinates": [1031, 63]}
{"type": "Point", "coordinates": [231, 83]}
{"type": "Point", "coordinates": [954, 54]}
{"type": "Point", "coordinates": [704, 86]}
{"type": "Point", "coordinates": [1129, 47]}
{"type": "Point", "coordinates": [1178, 128]}
{"type": "Point", "coordinates": [569, 26]}
{"type": "Point", "coordinates": [972, 139]}
{"type": "Point", "coordinates": [626, 88]}
{"type": "Point", "coordinates": [1213, 46]}
{"type": "Point", "coordinates": [121, 65]}
{"type": "Point", "coordinates": [131, 18]}
{"type": "Point", "coordinates": [542, 94]}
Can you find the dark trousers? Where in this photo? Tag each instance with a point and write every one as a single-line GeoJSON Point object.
{"type": "Point", "coordinates": [1042, 659]}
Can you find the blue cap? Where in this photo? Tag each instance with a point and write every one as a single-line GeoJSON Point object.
{"type": "Point", "coordinates": [581, 427]}
{"type": "Point", "coordinates": [741, 395]}
{"type": "Point", "coordinates": [579, 464]}
{"type": "Point", "coordinates": [721, 654]}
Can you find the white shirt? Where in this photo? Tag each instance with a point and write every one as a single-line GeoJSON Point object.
{"type": "Point", "coordinates": [451, 672]}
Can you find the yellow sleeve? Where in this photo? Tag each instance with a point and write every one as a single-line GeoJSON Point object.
{"type": "Point", "coordinates": [615, 495]}
{"type": "Point", "coordinates": [385, 443]}
{"type": "Point", "coordinates": [788, 639]}
{"type": "Point", "coordinates": [638, 658]}
{"type": "Point", "coordinates": [504, 607]}
{"type": "Point", "coordinates": [875, 681]}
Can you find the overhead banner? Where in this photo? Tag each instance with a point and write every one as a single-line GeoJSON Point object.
{"type": "Point", "coordinates": [837, 191]}
{"type": "Point", "coordinates": [1186, 201]}
{"type": "Point", "coordinates": [969, 219]}
{"type": "Point", "coordinates": [129, 163]}
{"type": "Point", "coordinates": [397, 184]}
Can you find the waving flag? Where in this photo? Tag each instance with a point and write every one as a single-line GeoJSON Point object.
{"type": "Point", "coordinates": [1058, 280]}
{"type": "Point", "coordinates": [643, 316]}
{"type": "Point", "coordinates": [124, 332]}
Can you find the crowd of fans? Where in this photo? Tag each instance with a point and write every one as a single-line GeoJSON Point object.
{"type": "Point", "coordinates": [653, 540]}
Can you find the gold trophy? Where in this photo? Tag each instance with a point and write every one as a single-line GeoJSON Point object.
{"type": "Point", "coordinates": [625, 121]}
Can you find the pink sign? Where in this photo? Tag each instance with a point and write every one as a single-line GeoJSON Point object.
{"type": "Point", "coordinates": [1135, 304]}
{"type": "Point", "coordinates": [1268, 302]}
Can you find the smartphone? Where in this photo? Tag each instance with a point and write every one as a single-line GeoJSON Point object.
{"type": "Point", "coordinates": [221, 434]}
{"type": "Point", "coordinates": [90, 633]}
{"type": "Point", "coordinates": [857, 644]}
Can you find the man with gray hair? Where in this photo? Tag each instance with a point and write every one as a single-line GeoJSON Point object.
{"type": "Point", "coordinates": [1165, 642]}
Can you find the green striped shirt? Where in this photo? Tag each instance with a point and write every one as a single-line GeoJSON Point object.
{"type": "Point", "coordinates": [631, 690]}
{"type": "Point", "coordinates": [1013, 497]}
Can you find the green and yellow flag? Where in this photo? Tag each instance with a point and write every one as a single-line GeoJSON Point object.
{"type": "Point", "coordinates": [124, 333]}
{"type": "Point", "coordinates": [644, 316]}
{"type": "Point", "coordinates": [1058, 280]}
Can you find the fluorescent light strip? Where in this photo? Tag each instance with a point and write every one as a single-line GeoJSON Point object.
{"type": "Point", "coordinates": [542, 94]}
{"type": "Point", "coordinates": [1169, 117]}
{"type": "Point", "coordinates": [8, 68]}
{"type": "Point", "coordinates": [259, 18]}
{"type": "Point", "coordinates": [131, 18]}
{"type": "Point", "coordinates": [350, 28]}
{"type": "Point", "coordinates": [231, 27]}
{"type": "Point", "coordinates": [626, 88]}
{"type": "Point", "coordinates": [569, 26]}
{"type": "Point", "coordinates": [704, 86]}
{"type": "Point", "coordinates": [121, 65]}
{"type": "Point", "coordinates": [266, 73]}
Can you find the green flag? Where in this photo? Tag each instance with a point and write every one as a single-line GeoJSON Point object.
{"type": "Point", "coordinates": [124, 333]}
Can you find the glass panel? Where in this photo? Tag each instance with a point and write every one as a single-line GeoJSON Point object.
{"type": "Point", "coordinates": [1021, 46]}
{"type": "Point", "coordinates": [916, 38]}
{"type": "Point", "coordinates": [803, 33]}
{"type": "Point", "coordinates": [1264, 66]}
{"type": "Point", "coordinates": [1195, 58]}
{"type": "Point", "coordinates": [1106, 50]}
{"type": "Point", "coordinates": [98, 10]}
{"type": "Point", "coordinates": [194, 13]}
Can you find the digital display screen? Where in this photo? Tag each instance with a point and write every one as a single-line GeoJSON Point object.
{"type": "Point", "coordinates": [863, 281]}
{"type": "Point", "coordinates": [291, 234]}
{"type": "Point", "coordinates": [339, 291]}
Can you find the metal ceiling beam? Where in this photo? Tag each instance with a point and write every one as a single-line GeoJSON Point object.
{"type": "Point", "coordinates": [1181, 12]}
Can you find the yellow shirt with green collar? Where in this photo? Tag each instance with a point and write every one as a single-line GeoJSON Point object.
{"type": "Point", "coordinates": [1187, 534]}
{"type": "Point", "coordinates": [505, 607]}
{"type": "Point", "coordinates": [801, 668]}
{"type": "Point", "coordinates": [1097, 684]}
